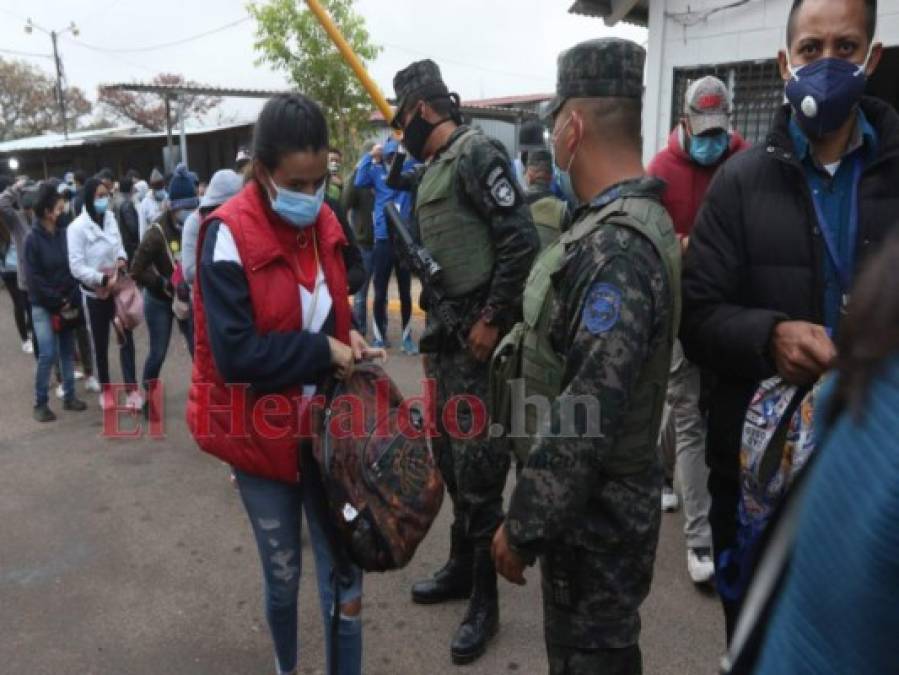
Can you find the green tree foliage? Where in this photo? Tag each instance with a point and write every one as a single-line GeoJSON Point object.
{"type": "Point", "coordinates": [290, 39]}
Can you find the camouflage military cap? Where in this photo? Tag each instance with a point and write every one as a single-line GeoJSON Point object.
{"type": "Point", "coordinates": [607, 67]}
{"type": "Point", "coordinates": [420, 80]}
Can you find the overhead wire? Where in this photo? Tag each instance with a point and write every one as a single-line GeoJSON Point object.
{"type": "Point", "coordinates": [164, 45]}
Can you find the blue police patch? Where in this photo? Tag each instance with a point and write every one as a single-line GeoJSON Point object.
{"type": "Point", "coordinates": [603, 308]}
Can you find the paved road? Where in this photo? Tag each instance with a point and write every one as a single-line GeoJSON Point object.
{"type": "Point", "coordinates": [136, 557]}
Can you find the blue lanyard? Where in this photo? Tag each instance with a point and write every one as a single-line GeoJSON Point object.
{"type": "Point", "coordinates": [843, 266]}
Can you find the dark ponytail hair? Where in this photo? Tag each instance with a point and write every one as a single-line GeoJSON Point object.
{"type": "Point", "coordinates": [870, 332]}
{"type": "Point", "coordinates": [90, 191]}
{"type": "Point", "coordinates": [288, 123]}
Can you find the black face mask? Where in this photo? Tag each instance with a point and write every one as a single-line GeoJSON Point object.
{"type": "Point", "coordinates": [416, 135]}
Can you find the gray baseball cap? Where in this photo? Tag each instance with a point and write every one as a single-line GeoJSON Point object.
{"type": "Point", "coordinates": [707, 105]}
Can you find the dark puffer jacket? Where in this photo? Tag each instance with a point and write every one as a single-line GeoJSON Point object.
{"type": "Point", "coordinates": [756, 257]}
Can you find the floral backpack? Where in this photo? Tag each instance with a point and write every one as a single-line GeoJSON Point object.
{"type": "Point", "coordinates": [778, 440]}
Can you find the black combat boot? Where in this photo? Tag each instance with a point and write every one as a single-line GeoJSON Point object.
{"type": "Point", "coordinates": [453, 580]}
{"type": "Point", "coordinates": [481, 622]}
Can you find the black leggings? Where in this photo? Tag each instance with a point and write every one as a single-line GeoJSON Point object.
{"type": "Point", "coordinates": [19, 304]}
{"type": "Point", "coordinates": [99, 315]}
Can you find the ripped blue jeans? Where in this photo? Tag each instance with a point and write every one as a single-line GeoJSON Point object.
{"type": "Point", "coordinates": [275, 510]}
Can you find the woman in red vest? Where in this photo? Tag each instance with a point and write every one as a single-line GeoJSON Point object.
{"type": "Point", "coordinates": [272, 321]}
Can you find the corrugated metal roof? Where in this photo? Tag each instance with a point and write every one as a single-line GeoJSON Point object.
{"type": "Point", "coordinates": [508, 100]}
{"type": "Point", "coordinates": [101, 136]}
{"type": "Point", "coordinates": [195, 90]}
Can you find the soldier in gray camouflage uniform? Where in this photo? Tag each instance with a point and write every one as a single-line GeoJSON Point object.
{"type": "Point", "coordinates": [600, 320]}
{"type": "Point", "coordinates": [473, 218]}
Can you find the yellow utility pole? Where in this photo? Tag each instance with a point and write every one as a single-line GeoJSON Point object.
{"type": "Point", "coordinates": [350, 57]}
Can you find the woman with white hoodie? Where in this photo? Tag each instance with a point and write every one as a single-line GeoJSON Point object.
{"type": "Point", "coordinates": [96, 257]}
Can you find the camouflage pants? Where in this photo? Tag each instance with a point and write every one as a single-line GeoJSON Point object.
{"type": "Point", "coordinates": [568, 661]}
{"type": "Point", "coordinates": [591, 600]}
{"type": "Point", "coordinates": [474, 469]}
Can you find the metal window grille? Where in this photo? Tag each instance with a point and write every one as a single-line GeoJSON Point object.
{"type": "Point", "coordinates": [756, 88]}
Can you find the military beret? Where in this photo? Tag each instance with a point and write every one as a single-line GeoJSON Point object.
{"type": "Point", "coordinates": [607, 67]}
{"type": "Point", "coordinates": [420, 80]}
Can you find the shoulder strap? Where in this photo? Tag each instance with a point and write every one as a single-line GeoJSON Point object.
{"type": "Point", "coordinates": [461, 143]}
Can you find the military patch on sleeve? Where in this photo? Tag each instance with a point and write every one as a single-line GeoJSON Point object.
{"type": "Point", "coordinates": [602, 308]}
{"type": "Point", "coordinates": [500, 186]}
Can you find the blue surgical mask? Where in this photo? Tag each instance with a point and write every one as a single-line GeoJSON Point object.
{"type": "Point", "coordinates": [708, 150]}
{"type": "Point", "coordinates": [100, 205]}
{"type": "Point", "coordinates": [564, 175]}
{"type": "Point", "coordinates": [825, 92]}
{"type": "Point", "coordinates": [160, 195]}
{"type": "Point", "coordinates": [298, 208]}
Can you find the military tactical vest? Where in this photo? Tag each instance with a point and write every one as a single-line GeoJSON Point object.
{"type": "Point", "coordinates": [548, 214]}
{"type": "Point", "coordinates": [451, 230]}
{"type": "Point", "coordinates": [532, 357]}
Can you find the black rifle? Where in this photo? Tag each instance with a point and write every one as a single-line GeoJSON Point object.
{"type": "Point", "coordinates": [422, 264]}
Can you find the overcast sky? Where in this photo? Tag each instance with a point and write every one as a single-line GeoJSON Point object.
{"type": "Point", "coordinates": [485, 48]}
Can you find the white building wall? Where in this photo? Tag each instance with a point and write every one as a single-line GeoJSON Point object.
{"type": "Point", "coordinates": [753, 31]}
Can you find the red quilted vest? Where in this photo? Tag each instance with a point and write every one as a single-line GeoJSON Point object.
{"type": "Point", "coordinates": [224, 418]}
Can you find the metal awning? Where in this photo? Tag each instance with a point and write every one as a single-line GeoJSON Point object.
{"type": "Point", "coordinates": [175, 90]}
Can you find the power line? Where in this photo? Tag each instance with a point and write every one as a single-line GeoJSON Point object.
{"type": "Point", "coordinates": [442, 59]}
{"type": "Point", "coordinates": [30, 54]}
{"type": "Point", "coordinates": [165, 45]}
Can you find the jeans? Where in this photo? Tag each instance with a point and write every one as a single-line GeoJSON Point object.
{"type": "Point", "coordinates": [159, 317]}
{"type": "Point", "coordinates": [275, 511]}
{"type": "Point", "coordinates": [99, 315]}
{"type": "Point", "coordinates": [689, 428]}
{"type": "Point", "coordinates": [52, 345]}
{"type": "Point", "coordinates": [383, 263]}
{"type": "Point", "coordinates": [360, 300]}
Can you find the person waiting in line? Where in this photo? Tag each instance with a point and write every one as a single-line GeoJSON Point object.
{"type": "Point", "coordinates": [550, 213]}
{"type": "Point", "coordinates": [9, 266]}
{"type": "Point", "coordinates": [154, 267]}
{"type": "Point", "coordinates": [96, 258]}
{"type": "Point", "coordinates": [372, 172]}
{"type": "Point", "coordinates": [223, 185]}
{"type": "Point", "coordinates": [55, 302]}
{"type": "Point", "coordinates": [16, 224]}
{"type": "Point", "coordinates": [359, 205]}
{"type": "Point", "coordinates": [127, 217]}
{"type": "Point", "coordinates": [272, 312]}
{"type": "Point", "coordinates": [335, 180]}
{"type": "Point", "coordinates": [152, 204]}
{"type": "Point", "coordinates": [700, 144]}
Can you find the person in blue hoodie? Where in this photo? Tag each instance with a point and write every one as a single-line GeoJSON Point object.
{"type": "Point", "coordinates": [372, 172]}
{"type": "Point", "coordinates": [836, 610]}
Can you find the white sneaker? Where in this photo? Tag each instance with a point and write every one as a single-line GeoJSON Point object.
{"type": "Point", "coordinates": [91, 384]}
{"type": "Point", "coordinates": [700, 564]}
{"type": "Point", "coordinates": [60, 392]}
{"type": "Point", "coordinates": [28, 346]}
{"type": "Point", "coordinates": [107, 400]}
{"type": "Point", "coordinates": [135, 400]}
{"type": "Point", "coordinates": [79, 374]}
{"type": "Point", "coordinates": [670, 501]}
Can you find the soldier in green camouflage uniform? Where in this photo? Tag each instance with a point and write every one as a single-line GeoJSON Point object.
{"type": "Point", "coordinates": [606, 299]}
{"type": "Point", "coordinates": [472, 217]}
